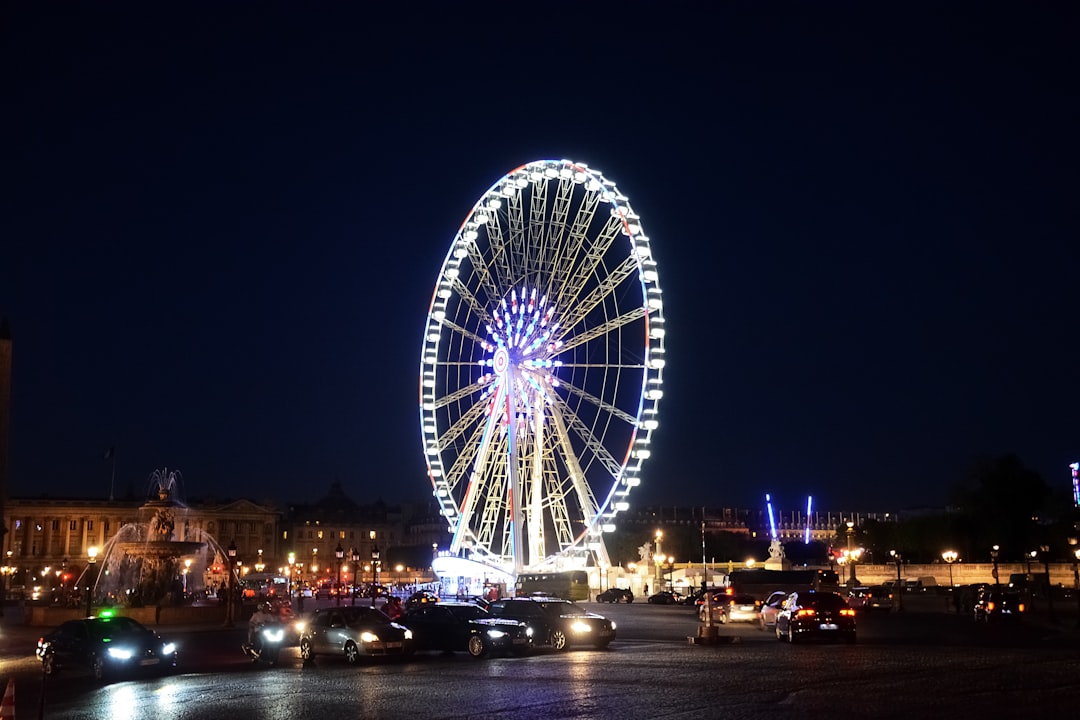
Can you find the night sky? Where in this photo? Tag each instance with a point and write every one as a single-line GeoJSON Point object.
{"type": "Point", "coordinates": [221, 230]}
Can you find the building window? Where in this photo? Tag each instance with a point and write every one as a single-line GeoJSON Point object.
{"type": "Point", "coordinates": [73, 525]}
{"type": "Point", "coordinates": [18, 524]}
{"type": "Point", "coordinates": [341, 535]}
{"type": "Point", "coordinates": [89, 524]}
{"type": "Point", "coordinates": [105, 526]}
{"type": "Point", "coordinates": [55, 524]}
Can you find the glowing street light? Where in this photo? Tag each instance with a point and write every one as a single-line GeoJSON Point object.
{"type": "Point", "coordinates": [91, 556]}
{"type": "Point", "coordinates": [950, 556]}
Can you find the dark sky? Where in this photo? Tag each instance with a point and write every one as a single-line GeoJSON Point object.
{"type": "Point", "coordinates": [221, 230]}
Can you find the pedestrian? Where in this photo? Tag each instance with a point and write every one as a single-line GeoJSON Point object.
{"type": "Point", "coordinates": [646, 593]}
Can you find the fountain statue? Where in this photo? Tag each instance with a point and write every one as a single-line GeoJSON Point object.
{"type": "Point", "coordinates": [141, 564]}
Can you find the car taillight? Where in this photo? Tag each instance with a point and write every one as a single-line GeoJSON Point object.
{"type": "Point", "coordinates": [847, 611]}
{"type": "Point", "coordinates": [805, 612]}
{"type": "Point", "coordinates": [989, 607]}
{"type": "Point", "coordinates": [1020, 607]}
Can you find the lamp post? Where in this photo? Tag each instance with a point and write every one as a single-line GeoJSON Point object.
{"type": "Point", "coordinates": [91, 556]}
{"type": "Point", "coordinates": [355, 555]}
{"type": "Point", "coordinates": [339, 553]}
{"type": "Point", "coordinates": [898, 559]}
{"type": "Point", "coordinates": [659, 555]}
{"type": "Point", "coordinates": [374, 569]}
{"type": "Point", "coordinates": [852, 554]}
{"type": "Point", "coordinates": [6, 570]}
{"type": "Point", "coordinates": [994, 559]}
{"type": "Point", "coordinates": [231, 590]}
{"type": "Point", "coordinates": [950, 556]}
{"type": "Point", "coordinates": [1044, 550]}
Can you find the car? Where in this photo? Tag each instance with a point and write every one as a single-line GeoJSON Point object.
{"type": "Point", "coordinates": [877, 598]}
{"type": "Point", "coordinates": [664, 598]}
{"type": "Point", "coordinates": [616, 595]}
{"type": "Point", "coordinates": [352, 632]}
{"type": "Point", "coordinates": [105, 646]}
{"type": "Point", "coordinates": [465, 626]}
{"type": "Point", "coordinates": [993, 605]}
{"type": "Point", "coordinates": [420, 597]}
{"type": "Point", "coordinates": [770, 609]}
{"type": "Point", "coordinates": [856, 597]}
{"type": "Point", "coordinates": [558, 623]}
{"type": "Point", "coordinates": [811, 614]}
{"type": "Point", "coordinates": [740, 607]}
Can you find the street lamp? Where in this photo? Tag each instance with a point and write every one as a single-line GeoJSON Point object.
{"type": "Point", "coordinates": [1045, 551]}
{"type": "Point", "coordinates": [91, 556]}
{"type": "Point", "coordinates": [898, 559]}
{"type": "Point", "coordinates": [852, 554]}
{"type": "Point", "coordinates": [994, 559]}
{"type": "Point", "coordinates": [374, 569]}
{"type": "Point", "coordinates": [339, 553]}
{"type": "Point", "coordinates": [230, 610]}
{"type": "Point", "coordinates": [659, 537]}
{"type": "Point", "coordinates": [950, 556]}
{"type": "Point", "coordinates": [259, 564]}
{"type": "Point", "coordinates": [355, 555]}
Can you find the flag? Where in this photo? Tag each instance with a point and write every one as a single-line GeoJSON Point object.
{"type": "Point", "coordinates": [109, 453]}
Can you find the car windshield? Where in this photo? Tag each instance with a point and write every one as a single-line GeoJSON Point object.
{"type": "Point", "coordinates": [743, 599]}
{"type": "Point", "coordinates": [365, 616]}
{"type": "Point", "coordinates": [563, 608]}
{"type": "Point", "coordinates": [469, 612]}
{"type": "Point", "coordinates": [114, 627]}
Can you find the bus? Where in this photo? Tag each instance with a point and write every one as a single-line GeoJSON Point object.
{"type": "Point", "coordinates": [569, 585]}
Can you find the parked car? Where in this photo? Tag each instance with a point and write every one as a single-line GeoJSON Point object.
{"type": "Point", "coordinates": [857, 596]}
{"type": "Point", "coordinates": [812, 614]}
{"type": "Point", "coordinates": [615, 595]}
{"type": "Point", "coordinates": [558, 623]}
{"type": "Point", "coordinates": [465, 626]}
{"type": "Point", "coordinates": [994, 605]}
{"type": "Point", "coordinates": [665, 598]}
{"type": "Point", "coordinates": [740, 607]}
{"type": "Point", "coordinates": [105, 646]}
{"type": "Point", "coordinates": [770, 609]}
{"type": "Point", "coordinates": [352, 632]}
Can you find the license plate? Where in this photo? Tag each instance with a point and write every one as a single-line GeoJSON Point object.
{"type": "Point", "coordinates": [149, 661]}
{"type": "Point", "coordinates": [394, 644]}
{"type": "Point", "coordinates": [604, 633]}
{"type": "Point", "coordinates": [520, 641]}
{"type": "Point", "coordinates": [828, 626]}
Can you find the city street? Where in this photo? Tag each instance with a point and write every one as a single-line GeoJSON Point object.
{"type": "Point", "coordinates": [903, 664]}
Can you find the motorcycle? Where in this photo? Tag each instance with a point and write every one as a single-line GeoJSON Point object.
{"type": "Point", "coordinates": [266, 645]}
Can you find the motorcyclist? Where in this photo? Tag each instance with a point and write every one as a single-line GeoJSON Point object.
{"type": "Point", "coordinates": [263, 614]}
{"type": "Point", "coordinates": [393, 607]}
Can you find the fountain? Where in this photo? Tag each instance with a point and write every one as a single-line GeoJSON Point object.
{"type": "Point", "coordinates": [141, 563]}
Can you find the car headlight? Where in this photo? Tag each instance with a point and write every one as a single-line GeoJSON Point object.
{"type": "Point", "coordinates": [528, 632]}
{"type": "Point", "coordinates": [581, 627]}
{"type": "Point", "coordinates": [300, 625]}
{"type": "Point", "coordinates": [120, 653]}
{"type": "Point", "coordinates": [368, 637]}
{"type": "Point", "coordinates": [408, 634]}
{"type": "Point", "coordinates": [496, 633]}
{"type": "Point", "coordinates": [612, 624]}
{"type": "Point", "coordinates": [168, 648]}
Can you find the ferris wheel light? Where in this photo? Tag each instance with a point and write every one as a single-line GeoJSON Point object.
{"type": "Point", "coordinates": [650, 424]}
{"type": "Point", "coordinates": [650, 276]}
{"type": "Point", "coordinates": [656, 332]}
{"type": "Point", "coordinates": [433, 337]}
{"type": "Point", "coordinates": [521, 181]}
{"type": "Point", "coordinates": [655, 303]}
{"type": "Point", "coordinates": [439, 315]}
{"type": "Point", "coordinates": [657, 363]}
{"type": "Point", "coordinates": [536, 176]}
{"type": "Point", "coordinates": [565, 173]}
{"type": "Point", "coordinates": [633, 481]}
{"type": "Point", "coordinates": [621, 506]}
{"type": "Point", "coordinates": [429, 383]}
{"type": "Point", "coordinates": [481, 219]}
{"type": "Point", "coordinates": [609, 527]}
{"type": "Point", "coordinates": [643, 454]}
{"type": "Point", "coordinates": [470, 235]}
{"type": "Point", "coordinates": [444, 293]}
{"type": "Point", "coordinates": [460, 253]}
{"type": "Point", "coordinates": [550, 172]}
{"type": "Point", "coordinates": [494, 203]}
{"type": "Point", "coordinates": [593, 185]}
{"type": "Point", "coordinates": [655, 394]}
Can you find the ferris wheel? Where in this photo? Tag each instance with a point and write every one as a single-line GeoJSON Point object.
{"type": "Point", "coordinates": [541, 368]}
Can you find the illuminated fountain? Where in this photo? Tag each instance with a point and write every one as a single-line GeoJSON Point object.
{"type": "Point", "coordinates": [142, 563]}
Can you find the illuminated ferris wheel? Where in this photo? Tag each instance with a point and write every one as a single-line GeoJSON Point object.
{"type": "Point", "coordinates": [541, 368]}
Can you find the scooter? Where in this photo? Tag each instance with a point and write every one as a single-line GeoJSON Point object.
{"type": "Point", "coordinates": [266, 646]}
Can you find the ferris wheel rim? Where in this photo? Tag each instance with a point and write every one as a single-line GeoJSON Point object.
{"type": "Point", "coordinates": [625, 470]}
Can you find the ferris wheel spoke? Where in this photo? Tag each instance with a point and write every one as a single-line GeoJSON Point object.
{"type": "Point", "coordinates": [636, 313]}
{"type": "Point", "coordinates": [601, 404]}
{"type": "Point", "coordinates": [582, 308]}
{"type": "Point", "coordinates": [460, 393]}
{"type": "Point", "coordinates": [466, 295]}
{"type": "Point", "coordinates": [585, 498]}
{"type": "Point", "coordinates": [459, 426]}
{"type": "Point", "coordinates": [594, 255]}
{"type": "Point", "coordinates": [477, 477]}
{"type": "Point", "coordinates": [537, 249]}
{"type": "Point", "coordinates": [499, 264]}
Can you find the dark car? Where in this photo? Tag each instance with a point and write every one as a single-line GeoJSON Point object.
{"type": "Point", "coordinates": [664, 598]}
{"type": "Point", "coordinates": [420, 597]}
{"type": "Point", "coordinates": [808, 615]}
{"type": "Point", "coordinates": [352, 632]}
{"type": "Point", "coordinates": [616, 595]}
{"type": "Point", "coordinates": [105, 646]}
{"type": "Point", "coordinates": [999, 605]}
{"type": "Point", "coordinates": [457, 626]}
{"type": "Point", "coordinates": [558, 623]}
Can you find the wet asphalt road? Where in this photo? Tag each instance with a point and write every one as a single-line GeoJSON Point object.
{"type": "Point", "coordinates": [905, 665]}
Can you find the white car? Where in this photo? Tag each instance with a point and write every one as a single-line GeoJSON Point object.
{"type": "Point", "coordinates": [770, 609]}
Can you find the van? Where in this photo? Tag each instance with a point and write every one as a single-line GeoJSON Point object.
{"type": "Point", "coordinates": [926, 583]}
